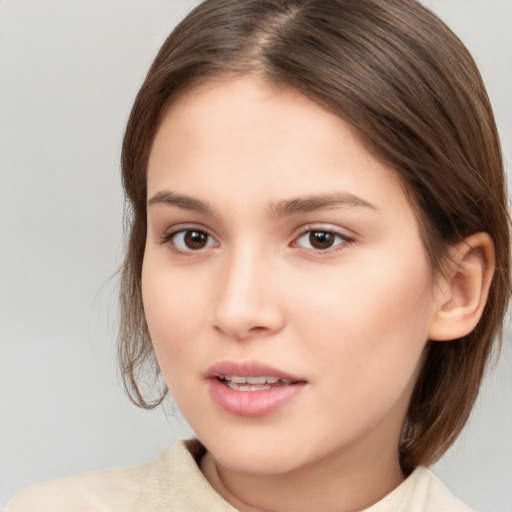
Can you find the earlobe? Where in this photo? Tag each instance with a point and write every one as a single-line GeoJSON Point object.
{"type": "Point", "coordinates": [463, 292]}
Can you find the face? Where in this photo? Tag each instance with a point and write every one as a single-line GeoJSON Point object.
{"type": "Point", "coordinates": [285, 284]}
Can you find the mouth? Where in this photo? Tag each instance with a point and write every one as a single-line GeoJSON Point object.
{"type": "Point", "coordinates": [251, 388]}
{"type": "Point", "coordinates": [259, 383]}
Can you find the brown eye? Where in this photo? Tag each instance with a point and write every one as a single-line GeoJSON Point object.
{"type": "Point", "coordinates": [195, 239]}
{"type": "Point", "coordinates": [320, 239]}
{"type": "Point", "coordinates": [191, 240]}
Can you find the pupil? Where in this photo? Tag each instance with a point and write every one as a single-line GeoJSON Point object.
{"type": "Point", "coordinates": [195, 239]}
{"type": "Point", "coordinates": [321, 239]}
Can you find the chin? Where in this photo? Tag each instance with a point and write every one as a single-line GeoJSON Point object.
{"type": "Point", "coordinates": [249, 454]}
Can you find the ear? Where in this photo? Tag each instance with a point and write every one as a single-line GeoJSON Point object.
{"type": "Point", "coordinates": [463, 288]}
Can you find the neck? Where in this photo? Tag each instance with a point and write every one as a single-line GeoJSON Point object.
{"type": "Point", "coordinates": [341, 482]}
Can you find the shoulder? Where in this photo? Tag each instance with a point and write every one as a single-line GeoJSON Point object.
{"type": "Point", "coordinates": [128, 488]}
{"type": "Point", "coordinates": [422, 491]}
{"type": "Point", "coordinates": [436, 496]}
{"type": "Point", "coordinates": [77, 493]}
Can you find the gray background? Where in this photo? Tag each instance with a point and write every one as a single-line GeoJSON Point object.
{"type": "Point", "coordinates": [68, 75]}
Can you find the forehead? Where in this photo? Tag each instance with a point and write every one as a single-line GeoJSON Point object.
{"type": "Point", "coordinates": [218, 111]}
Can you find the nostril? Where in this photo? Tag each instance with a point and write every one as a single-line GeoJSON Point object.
{"type": "Point", "coordinates": [257, 329]}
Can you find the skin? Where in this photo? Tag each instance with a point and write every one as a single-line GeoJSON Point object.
{"type": "Point", "coordinates": [352, 320]}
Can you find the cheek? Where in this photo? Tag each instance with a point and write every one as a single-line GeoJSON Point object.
{"type": "Point", "coordinates": [172, 309]}
{"type": "Point", "coordinates": [371, 317]}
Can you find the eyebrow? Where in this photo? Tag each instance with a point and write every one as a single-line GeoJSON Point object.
{"type": "Point", "coordinates": [318, 202]}
{"type": "Point", "coordinates": [279, 209]}
{"type": "Point", "coordinates": [182, 201]}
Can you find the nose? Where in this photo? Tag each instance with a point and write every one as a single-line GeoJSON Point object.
{"type": "Point", "coordinates": [246, 303]}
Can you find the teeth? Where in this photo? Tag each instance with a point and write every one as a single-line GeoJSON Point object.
{"type": "Point", "coordinates": [256, 380]}
{"type": "Point", "coordinates": [247, 387]}
{"type": "Point", "coordinates": [237, 380]}
{"type": "Point", "coordinates": [259, 383]}
{"type": "Point", "coordinates": [253, 380]}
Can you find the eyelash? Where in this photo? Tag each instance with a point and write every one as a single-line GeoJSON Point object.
{"type": "Point", "coordinates": [170, 238]}
{"type": "Point", "coordinates": [340, 240]}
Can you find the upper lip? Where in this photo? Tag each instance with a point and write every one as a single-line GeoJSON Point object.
{"type": "Point", "coordinates": [248, 369]}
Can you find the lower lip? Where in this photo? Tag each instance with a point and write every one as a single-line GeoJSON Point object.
{"type": "Point", "coordinates": [253, 403]}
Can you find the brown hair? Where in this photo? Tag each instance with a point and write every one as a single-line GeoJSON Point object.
{"type": "Point", "coordinates": [397, 74]}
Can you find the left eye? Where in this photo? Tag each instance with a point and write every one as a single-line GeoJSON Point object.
{"type": "Point", "coordinates": [320, 239]}
{"type": "Point", "coordinates": [191, 240]}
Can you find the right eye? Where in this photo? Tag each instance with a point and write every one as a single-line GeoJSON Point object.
{"type": "Point", "coordinates": [190, 240]}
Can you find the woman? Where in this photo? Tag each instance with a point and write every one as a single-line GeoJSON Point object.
{"type": "Point", "coordinates": [318, 257]}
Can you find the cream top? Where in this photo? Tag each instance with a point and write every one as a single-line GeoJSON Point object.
{"type": "Point", "coordinates": [174, 482]}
